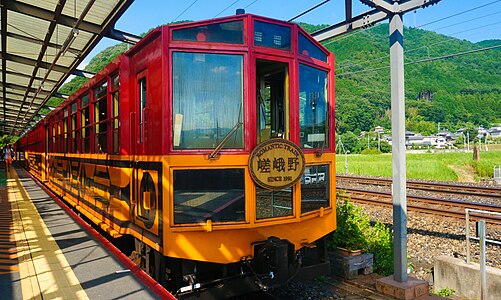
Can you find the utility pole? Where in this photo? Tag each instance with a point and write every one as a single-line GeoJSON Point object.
{"type": "Point", "coordinates": [394, 11]}
{"type": "Point", "coordinates": [399, 194]}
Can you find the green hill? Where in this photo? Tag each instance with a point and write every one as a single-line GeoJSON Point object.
{"type": "Point", "coordinates": [452, 91]}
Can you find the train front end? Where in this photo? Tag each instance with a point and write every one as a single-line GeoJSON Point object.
{"type": "Point", "coordinates": [251, 162]}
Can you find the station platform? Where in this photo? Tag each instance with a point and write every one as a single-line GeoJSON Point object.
{"type": "Point", "coordinates": [48, 252]}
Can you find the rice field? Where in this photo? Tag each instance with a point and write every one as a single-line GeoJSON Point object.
{"type": "Point", "coordinates": [456, 166]}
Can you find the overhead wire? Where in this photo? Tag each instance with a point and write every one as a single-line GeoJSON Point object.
{"type": "Point", "coordinates": [465, 11]}
{"type": "Point", "coordinates": [424, 60]}
{"type": "Point", "coordinates": [251, 3]}
{"type": "Point", "coordinates": [229, 7]}
{"type": "Point", "coordinates": [460, 13]}
{"type": "Point", "coordinates": [415, 49]}
{"type": "Point", "coordinates": [308, 10]}
{"type": "Point", "coordinates": [189, 6]}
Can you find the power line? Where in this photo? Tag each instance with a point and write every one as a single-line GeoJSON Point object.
{"type": "Point", "coordinates": [425, 60]}
{"type": "Point", "coordinates": [459, 23]}
{"type": "Point", "coordinates": [426, 46]}
{"type": "Point", "coordinates": [460, 13]}
{"type": "Point", "coordinates": [184, 10]}
{"type": "Point", "coordinates": [251, 3]}
{"type": "Point", "coordinates": [232, 5]}
{"type": "Point", "coordinates": [308, 10]}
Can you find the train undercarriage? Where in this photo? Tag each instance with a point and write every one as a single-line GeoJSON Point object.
{"type": "Point", "coordinates": [275, 264]}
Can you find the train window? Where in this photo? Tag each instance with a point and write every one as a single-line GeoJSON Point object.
{"type": "Point", "coordinates": [313, 114]}
{"type": "Point", "coordinates": [272, 35]}
{"type": "Point", "coordinates": [207, 100]}
{"type": "Point", "coordinates": [100, 90]}
{"type": "Point", "coordinates": [218, 195]}
{"type": "Point", "coordinates": [73, 128]}
{"type": "Point", "coordinates": [315, 188]}
{"type": "Point", "coordinates": [115, 108]}
{"type": "Point", "coordinates": [272, 204]}
{"type": "Point", "coordinates": [142, 106]}
{"type": "Point", "coordinates": [85, 123]}
{"type": "Point", "coordinates": [115, 82]}
{"type": "Point", "coordinates": [271, 81]}
{"type": "Point", "coordinates": [101, 118]}
{"type": "Point", "coordinates": [227, 32]}
{"type": "Point", "coordinates": [308, 48]}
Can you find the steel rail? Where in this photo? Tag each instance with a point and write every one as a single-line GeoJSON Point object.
{"type": "Point", "coordinates": [451, 188]}
{"type": "Point", "coordinates": [455, 209]}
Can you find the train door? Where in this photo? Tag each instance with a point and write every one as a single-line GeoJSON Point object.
{"type": "Point", "coordinates": [272, 118]}
{"type": "Point", "coordinates": [272, 99]}
{"type": "Point", "coordinates": [145, 178]}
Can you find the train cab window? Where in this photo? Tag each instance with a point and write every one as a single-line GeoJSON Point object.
{"type": "Point", "coordinates": [272, 116]}
{"type": "Point", "coordinates": [85, 123]}
{"type": "Point", "coordinates": [315, 188]}
{"type": "Point", "coordinates": [273, 204]}
{"type": "Point", "coordinates": [308, 48]}
{"type": "Point", "coordinates": [313, 113]}
{"type": "Point", "coordinates": [272, 35]}
{"type": "Point", "coordinates": [207, 101]}
{"type": "Point", "coordinates": [226, 32]}
{"type": "Point", "coordinates": [200, 195]}
{"type": "Point", "coordinates": [101, 119]}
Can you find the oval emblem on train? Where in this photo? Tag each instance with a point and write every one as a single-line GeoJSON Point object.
{"type": "Point", "coordinates": [276, 164]}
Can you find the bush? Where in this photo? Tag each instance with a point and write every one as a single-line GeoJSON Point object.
{"type": "Point", "coordinates": [354, 231]}
{"type": "Point", "coordinates": [371, 151]}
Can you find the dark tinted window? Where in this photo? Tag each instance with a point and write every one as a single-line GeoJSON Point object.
{"type": "Point", "coordinates": [308, 48]}
{"type": "Point", "coordinates": [200, 195]}
{"type": "Point", "coordinates": [228, 32]}
{"type": "Point", "coordinates": [271, 35]}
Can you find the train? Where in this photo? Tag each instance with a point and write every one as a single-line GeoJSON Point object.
{"type": "Point", "coordinates": [210, 145]}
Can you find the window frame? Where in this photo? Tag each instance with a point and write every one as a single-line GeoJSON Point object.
{"type": "Point", "coordinates": [245, 92]}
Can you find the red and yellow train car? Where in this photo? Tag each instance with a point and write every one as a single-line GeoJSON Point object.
{"type": "Point", "coordinates": [210, 143]}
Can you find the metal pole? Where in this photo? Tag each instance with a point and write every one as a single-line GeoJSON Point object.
{"type": "Point", "coordinates": [398, 147]}
{"type": "Point", "coordinates": [467, 235]}
{"type": "Point", "coordinates": [483, 280]}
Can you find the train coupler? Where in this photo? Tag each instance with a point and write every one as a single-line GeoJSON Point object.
{"type": "Point", "coordinates": [274, 263]}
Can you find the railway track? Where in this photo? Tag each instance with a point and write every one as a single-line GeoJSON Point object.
{"type": "Point", "coordinates": [427, 204]}
{"type": "Point", "coordinates": [449, 188]}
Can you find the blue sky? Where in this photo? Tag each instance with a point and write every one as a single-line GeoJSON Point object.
{"type": "Point", "coordinates": [145, 14]}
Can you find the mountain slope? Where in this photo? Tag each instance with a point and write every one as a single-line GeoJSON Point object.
{"type": "Point", "coordinates": [451, 91]}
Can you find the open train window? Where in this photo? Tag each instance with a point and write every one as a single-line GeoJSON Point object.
{"type": "Point", "coordinates": [142, 85]}
{"type": "Point", "coordinates": [271, 83]}
{"type": "Point", "coordinates": [218, 195]}
{"type": "Point", "coordinates": [101, 118]}
{"type": "Point", "coordinates": [85, 123]}
{"type": "Point", "coordinates": [207, 100]}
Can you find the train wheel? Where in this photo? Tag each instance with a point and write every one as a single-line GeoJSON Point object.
{"type": "Point", "coordinates": [150, 261]}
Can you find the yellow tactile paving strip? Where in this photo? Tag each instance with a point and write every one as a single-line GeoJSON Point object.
{"type": "Point", "coordinates": [43, 268]}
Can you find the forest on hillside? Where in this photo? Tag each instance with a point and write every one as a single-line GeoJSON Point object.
{"type": "Point", "coordinates": [450, 93]}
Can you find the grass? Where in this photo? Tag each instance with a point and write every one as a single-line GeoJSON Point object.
{"type": "Point", "coordinates": [434, 166]}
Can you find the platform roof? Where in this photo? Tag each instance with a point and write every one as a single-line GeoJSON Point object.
{"type": "Point", "coordinates": [41, 44]}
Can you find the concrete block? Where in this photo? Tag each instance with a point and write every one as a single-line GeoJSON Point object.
{"type": "Point", "coordinates": [349, 267]}
{"type": "Point", "coordinates": [456, 274]}
{"type": "Point", "coordinates": [412, 289]}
